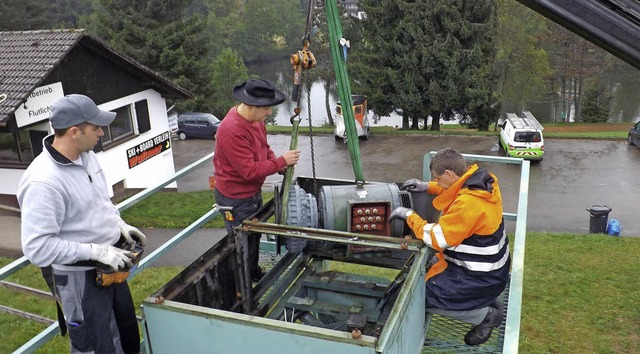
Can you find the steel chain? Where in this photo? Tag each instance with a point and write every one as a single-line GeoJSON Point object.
{"type": "Point", "coordinates": [313, 157]}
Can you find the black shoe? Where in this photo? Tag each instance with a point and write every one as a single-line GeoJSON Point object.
{"type": "Point", "coordinates": [498, 305]}
{"type": "Point", "coordinates": [482, 332]}
{"type": "Point", "coordinates": [257, 275]}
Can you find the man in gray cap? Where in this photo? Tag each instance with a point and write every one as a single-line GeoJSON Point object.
{"type": "Point", "coordinates": [243, 158]}
{"type": "Point", "coordinates": [70, 227]}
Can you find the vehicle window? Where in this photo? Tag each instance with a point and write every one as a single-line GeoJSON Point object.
{"type": "Point", "coordinates": [637, 127]}
{"type": "Point", "coordinates": [527, 137]}
{"type": "Point", "coordinates": [203, 121]}
{"type": "Point", "coordinates": [190, 121]}
{"type": "Point", "coordinates": [214, 120]}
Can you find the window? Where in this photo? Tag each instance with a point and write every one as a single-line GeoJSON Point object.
{"type": "Point", "coordinates": [120, 128]}
{"type": "Point", "coordinates": [15, 147]}
{"type": "Point", "coordinates": [123, 127]}
{"type": "Point", "coordinates": [527, 137]}
{"type": "Point", "coordinates": [8, 147]}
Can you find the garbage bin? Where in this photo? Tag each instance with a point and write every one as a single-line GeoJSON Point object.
{"type": "Point", "coordinates": [599, 215]}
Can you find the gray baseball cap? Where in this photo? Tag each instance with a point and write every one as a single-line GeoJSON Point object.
{"type": "Point", "coordinates": [75, 109]}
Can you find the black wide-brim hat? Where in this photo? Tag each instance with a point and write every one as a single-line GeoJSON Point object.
{"type": "Point", "coordinates": [258, 92]}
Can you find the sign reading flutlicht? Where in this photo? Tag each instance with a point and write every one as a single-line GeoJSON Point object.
{"type": "Point", "coordinates": [38, 105]}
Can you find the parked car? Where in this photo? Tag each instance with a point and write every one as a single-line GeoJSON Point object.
{"type": "Point", "coordinates": [522, 136]}
{"type": "Point", "coordinates": [634, 135]}
{"type": "Point", "coordinates": [197, 125]}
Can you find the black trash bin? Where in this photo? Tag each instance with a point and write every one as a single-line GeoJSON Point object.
{"type": "Point", "coordinates": [599, 216]}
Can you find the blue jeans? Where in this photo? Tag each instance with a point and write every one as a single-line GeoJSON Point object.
{"type": "Point", "coordinates": [242, 209]}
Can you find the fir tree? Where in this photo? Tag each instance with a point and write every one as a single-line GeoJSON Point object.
{"type": "Point", "coordinates": [160, 35]}
{"type": "Point", "coordinates": [430, 58]}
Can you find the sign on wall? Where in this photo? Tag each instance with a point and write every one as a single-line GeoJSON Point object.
{"type": "Point", "coordinates": [173, 123]}
{"type": "Point", "coordinates": [38, 105]}
{"type": "Point", "coordinates": [148, 149]}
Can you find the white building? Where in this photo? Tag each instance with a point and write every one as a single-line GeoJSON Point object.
{"type": "Point", "coordinates": [39, 67]}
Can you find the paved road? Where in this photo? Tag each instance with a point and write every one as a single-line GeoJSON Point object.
{"type": "Point", "coordinates": [575, 174]}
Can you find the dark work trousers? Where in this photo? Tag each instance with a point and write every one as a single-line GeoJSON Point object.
{"type": "Point", "coordinates": [99, 319]}
{"type": "Point", "coordinates": [242, 209]}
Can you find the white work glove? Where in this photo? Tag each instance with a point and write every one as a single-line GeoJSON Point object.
{"type": "Point", "coordinates": [131, 234]}
{"type": "Point", "coordinates": [415, 185]}
{"type": "Point", "coordinates": [111, 256]}
{"type": "Point", "coordinates": [400, 213]}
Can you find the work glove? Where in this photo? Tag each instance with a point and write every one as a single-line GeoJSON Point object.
{"type": "Point", "coordinates": [400, 213]}
{"type": "Point", "coordinates": [132, 235]}
{"type": "Point", "coordinates": [415, 185]}
{"type": "Point", "coordinates": [114, 257]}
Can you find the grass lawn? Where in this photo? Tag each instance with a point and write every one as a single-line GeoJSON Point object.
{"type": "Point", "coordinates": [15, 331]}
{"type": "Point", "coordinates": [580, 296]}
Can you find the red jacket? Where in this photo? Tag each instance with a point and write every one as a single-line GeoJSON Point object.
{"type": "Point", "coordinates": [243, 159]}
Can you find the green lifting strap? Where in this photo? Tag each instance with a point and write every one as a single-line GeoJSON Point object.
{"type": "Point", "coordinates": [344, 90]}
{"type": "Point", "coordinates": [288, 176]}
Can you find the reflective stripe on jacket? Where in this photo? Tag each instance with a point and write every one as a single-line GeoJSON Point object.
{"type": "Point", "coordinates": [470, 231]}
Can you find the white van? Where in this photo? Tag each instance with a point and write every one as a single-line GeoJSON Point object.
{"type": "Point", "coordinates": [522, 136]}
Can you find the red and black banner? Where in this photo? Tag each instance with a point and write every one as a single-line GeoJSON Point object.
{"type": "Point", "coordinates": [148, 149]}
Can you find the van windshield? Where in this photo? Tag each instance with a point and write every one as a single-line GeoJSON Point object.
{"type": "Point", "coordinates": [527, 137]}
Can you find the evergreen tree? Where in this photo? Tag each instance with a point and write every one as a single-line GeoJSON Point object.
{"type": "Point", "coordinates": [228, 71]}
{"type": "Point", "coordinates": [259, 29]}
{"type": "Point", "coordinates": [160, 35]}
{"type": "Point", "coordinates": [23, 15]}
{"type": "Point", "coordinates": [428, 57]}
{"type": "Point", "coordinates": [477, 83]}
{"type": "Point", "coordinates": [597, 103]}
{"type": "Point", "coordinates": [522, 65]}
{"type": "Point", "coordinates": [69, 13]}
{"type": "Point", "coordinates": [374, 69]}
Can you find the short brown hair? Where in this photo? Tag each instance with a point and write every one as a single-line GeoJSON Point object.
{"type": "Point", "coordinates": [63, 131]}
{"type": "Point", "coordinates": [448, 159]}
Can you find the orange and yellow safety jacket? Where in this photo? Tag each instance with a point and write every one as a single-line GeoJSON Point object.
{"type": "Point", "coordinates": [470, 232]}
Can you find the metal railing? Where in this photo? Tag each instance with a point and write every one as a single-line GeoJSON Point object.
{"type": "Point", "coordinates": [49, 332]}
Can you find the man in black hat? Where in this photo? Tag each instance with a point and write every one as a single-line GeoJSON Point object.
{"type": "Point", "coordinates": [243, 158]}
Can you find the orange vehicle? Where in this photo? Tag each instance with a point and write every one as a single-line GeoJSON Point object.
{"type": "Point", "coordinates": [359, 104]}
